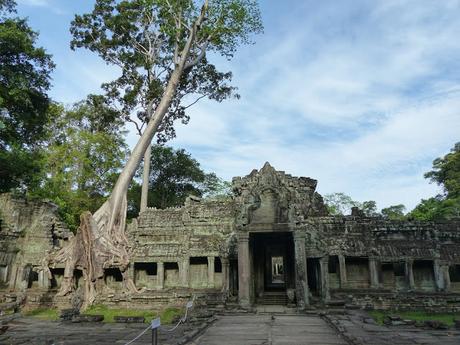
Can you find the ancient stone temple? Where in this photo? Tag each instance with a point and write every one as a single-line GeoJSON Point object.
{"type": "Point", "coordinates": [273, 242]}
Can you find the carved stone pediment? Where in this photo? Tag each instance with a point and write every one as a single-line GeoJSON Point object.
{"type": "Point", "coordinates": [269, 196]}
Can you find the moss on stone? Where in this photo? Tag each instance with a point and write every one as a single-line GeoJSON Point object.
{"type": "Point", "coordinates": [167, 315]}
{"type": "Point", "coordinates": [420, 316]}
{"type": "Point", "coordinates": [44, 314]}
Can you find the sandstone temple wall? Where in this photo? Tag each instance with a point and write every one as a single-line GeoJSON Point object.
{"type": "Point", "coordinates": [28, 231]}
{"type": "Point", "coordinates": [221, 251]}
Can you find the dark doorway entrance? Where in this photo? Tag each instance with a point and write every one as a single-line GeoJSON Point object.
{"type": "Point", "coordinates": [233, 278]}
{"type": "Point", "coordinates": [314, 277]}
{"type": "Point", "coordinates": [273, 266]}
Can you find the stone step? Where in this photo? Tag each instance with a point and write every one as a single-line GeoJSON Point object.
{"type": "Point", "coordinates": [273, 299]}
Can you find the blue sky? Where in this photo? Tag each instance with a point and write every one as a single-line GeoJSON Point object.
{"type": "Point", "coordinates": [360, 95]}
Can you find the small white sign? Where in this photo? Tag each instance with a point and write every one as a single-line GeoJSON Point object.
{"type": "Point", "coordinates": [156, 323]}
{"type": "Point", "coordinates": [189, 304]}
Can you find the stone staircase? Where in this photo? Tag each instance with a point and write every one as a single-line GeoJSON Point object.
{"type": "Point", "coordinates": [273, 298]}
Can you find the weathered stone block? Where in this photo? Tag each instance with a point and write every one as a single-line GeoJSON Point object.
{"type": "Point", "coordinates": [129, 319]}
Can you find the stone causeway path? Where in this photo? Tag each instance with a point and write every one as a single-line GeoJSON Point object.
{"type": "Point", "coordinates": [30, 331]}
{"type": "Point", "coordinates": [270, 330]}
{"type": "Point", "coordinates": [359, 329]}
{"type": "Point", "coordinates": [353, 328]}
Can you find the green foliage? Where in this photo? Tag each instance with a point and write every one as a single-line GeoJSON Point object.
{"type": "Point", "coordinates": [216, 188]}
{"type": "Point", "coordinates": [166, 316]}
{"type": "Point", "coordinates": [446, 172]}
{"type": "Point", "coordinates": [144, 38]}
{"type": "Point", "coordinates": [448, 318]}
{"type": "Point", "coordinates": [339, 203]}
{"type": "Point", "coordinates": [394, 212]}
{"type": "Point", "coordinates": [369, 208]}
{"type": "Point", "coordinates": [82, 159]}
{"type": "Point", "coordinates": [44, 314]}
{"type": "Point", "coordinates": [24, 105]}
{"type": "Point", "coordinates": [7, 6]}
{"type": "Point", "coordinates": [436, 208]}
{"type": "Point", "coordinates": [174, 175]}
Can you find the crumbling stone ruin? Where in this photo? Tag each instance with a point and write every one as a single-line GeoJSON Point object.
{"type": "Point", "coordinates": [272, 243]}
{"type": "Point", "coordinates": [28, 232]}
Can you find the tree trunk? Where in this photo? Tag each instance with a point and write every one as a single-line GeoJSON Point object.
{"type": "Point", "coordinates": [145, 179]}
{"type": "Point", "coordinates": [100, 242]}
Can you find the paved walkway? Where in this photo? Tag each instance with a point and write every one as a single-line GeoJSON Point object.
{"type": "Point", "coordinates": [268, 330]}
{"type": "Point", "coordinates": [250, 329]}
{"type": "Point", "coordinates": [29, 331]}
{"type": "Point", "coordinates": [368, 333]}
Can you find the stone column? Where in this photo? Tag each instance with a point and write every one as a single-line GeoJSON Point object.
{"type": "Point", "coordinates": [409, 274]}
{"type": "Point", "coordinates": [43, 280]}
{"type": "Point", "coordinates": [438, 275]}
{"type": "Point", "coordinates": [374, 273]}
{"type": "Point", "coordinates": [225, 276]}
{"type": "Point", "coordinates": [160, 275]}
{"type": "Point", "coordinates": [342, 272]}
{"type": "Point", "coordinates": [211, 272]}
{"type": "Point", "coordinates": [184, 272]}
{"type": "Point", "coordinates": [324, 267]}
{"type": "Point", "coordinates": [301, 282]}
{"type": "Point", "coordinates": [13, 276]}
{"type": "Point", "coordinates": [244, 270]}
{"type": "Point", "coordinates": [132, 272]}
{"type": "Point", "coordinates": [445, 270]}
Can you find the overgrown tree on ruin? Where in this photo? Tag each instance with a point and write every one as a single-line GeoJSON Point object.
{"type": "Point", "coordinates": [171, 38]}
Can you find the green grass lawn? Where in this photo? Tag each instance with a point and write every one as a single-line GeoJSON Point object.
{"type": "Point", "coordinates": [167, 315]}
{"type": "Point", "coordinates": [447, 318]}
{"type": "Point", "coordinates": [44, 314]}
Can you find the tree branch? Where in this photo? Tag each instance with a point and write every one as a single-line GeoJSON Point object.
{"type": "Point", "coordinates": [196, 101]}
{"type": "Point", "coordinates": [199, 57]}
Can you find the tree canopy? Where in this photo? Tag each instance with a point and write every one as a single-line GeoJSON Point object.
{"type": "Point", "coordinates": [394, 212]}
{"type": "Point", "coordinates": [81, 160]}
{"type": "Point", "coordinates": [158, 45]}
{"type": "Point", "coordinates": [339, 203]}
{"type": "Point", "coordinates": [446, 173]}
{"type": "Point", "coordinates": [145, 38]}
{"type": "Point", "coordinates": [25, 70]}
{"type": "Point", "coordinates": [174, 176]}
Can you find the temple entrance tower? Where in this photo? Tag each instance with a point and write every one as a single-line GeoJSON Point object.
{"type": "Point", "coordinates": [272, 263]}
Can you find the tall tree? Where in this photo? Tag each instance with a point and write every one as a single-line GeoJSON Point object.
{"type": "Point", "coordinates": [175, 175]}
{"type": "Point", "coordinates": [446, 173]}
{"type": "Point", "coordinates": [144, 38]}
{"type": "Point", "coordinates": [82, 158]}
{"type": "Point", "coordinates": [339, 203]}
{"type": "Point", "coordinates": [25, 72]}
{"type": "Point", "coordinates": [174, 38]}
{"type": "Point", "coordinates": [394, 212]}
{"type": "Point", "coordinates": [369, 208]}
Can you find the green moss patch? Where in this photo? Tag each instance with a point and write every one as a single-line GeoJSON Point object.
{"type": "Point", "coordinates": [420, 316]}
{"type": "Point", "coordinates": [43, 314]}
{"type": "Point", "coordinates": [167, 315]}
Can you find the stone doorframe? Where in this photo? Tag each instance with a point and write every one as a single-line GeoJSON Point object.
{"type": "Point", "coordinates": [245, 275]}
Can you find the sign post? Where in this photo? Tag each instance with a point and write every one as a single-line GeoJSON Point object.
{"type": "Point", "coordinates": [156, 323]}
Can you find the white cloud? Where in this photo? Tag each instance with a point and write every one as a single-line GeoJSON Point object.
{"type": "Point", "coordinates": [43, 3]}
{"type": "Point", "coordinates": [364, 114]}
{"type": "Point", "coordinates": [359, 95]}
